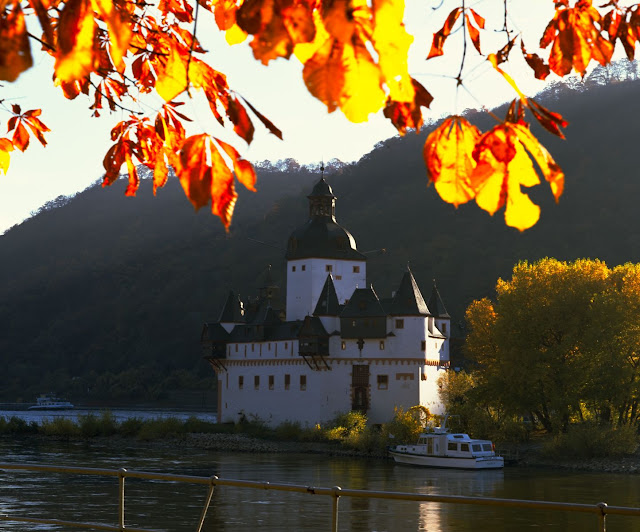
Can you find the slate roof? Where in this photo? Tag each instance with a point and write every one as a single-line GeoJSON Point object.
{"type": "Point", "coordinates": [328, 304]}
{"type": "Point", "coordinates": [214, 332]}
{"type": "Point", "coordinates": [312, 326]}
{"type": "Point", "coordinates": [408, 300]}
{"type": "Point", "coordinates": [233, 310]}
{"type": "Point", "coordinates": [322, 188]}
{"type": "Point", "coordinates": [363, 303]}
{"type": "Point", "coordinates": [435, 303]}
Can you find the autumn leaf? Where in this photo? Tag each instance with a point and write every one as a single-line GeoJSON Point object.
{"type": "Point", "coordinates": [345, 76]}
{"type": "Point", "coordinates": [441, 35]}
{"type": "Point", "coordinates": [15, 51]}
{"type": "Point", "coordinates": [408, 115]}
{"type": "Point", "coordinates": [504, 165]}
{"type": "Point", "coordinates": [276, 26]}
{"type": "Point", "coordinates": [6, 147]}
{"type": "Point", "coordinates": [448, 154]}
{"type": "Point", "coordinates": [391, 41]}
{"type": "Point", "coordinates": [576, 36]}
{"type": "Point", "coordinates": [474, 24]}
{"type": "Point", "coordinates": [20, 123]}
{"type": "Point", "coordinates": [118, 23]}
{"type": "Point", "coordinates": [76, 33]}
{"type": "Point", "coordinates": [205, 177]}
{"type": "Point", "coordinates": [540, 68]}
{"type": "Point", "coordinates": [550, 120]}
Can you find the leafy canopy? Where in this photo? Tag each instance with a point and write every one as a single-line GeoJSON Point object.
{"type": "Point", "coordinates": [117, 53]}
{"type": "Point", "coordinates": [561, 342]}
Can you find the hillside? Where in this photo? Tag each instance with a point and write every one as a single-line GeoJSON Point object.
{"type": "Point", "coordinates": [105, 295]}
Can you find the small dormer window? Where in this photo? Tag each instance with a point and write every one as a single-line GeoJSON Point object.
{"type": "Point", "coordinates": [356, 269]}
{"type": "Point", "coordinates": [328, 268]}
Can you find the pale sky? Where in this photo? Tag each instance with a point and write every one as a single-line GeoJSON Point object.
{"type": "Point", "coordinates": [77, 143]}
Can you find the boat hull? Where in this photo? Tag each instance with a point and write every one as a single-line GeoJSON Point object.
{"type": "Point", "coordinates": [449, 462]}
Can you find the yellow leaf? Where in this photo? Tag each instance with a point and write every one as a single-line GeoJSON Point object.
{"type": "Point", "coordinates": [76, 31]}
{"type": "Point", "coordinates": [5, 158]}
{"type": "Point", "coordinates": [234, 35]}
{"type": "Point", "coordinates": [392, 43]}
{"type": "Point", "coordinates": [173, 78]}
{"type": "Point", "coordinates": [119, 25]}
{"type": "Point", "coordinates": [448, 154]}
{"type": "Point", "coordinates": [503, 168]}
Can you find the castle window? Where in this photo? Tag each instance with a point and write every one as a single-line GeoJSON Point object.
{"type": "Point", "coordinates": [271, 382]}
{"type": "Point", "coordinates": [423, 345]}
{"type": "Point", "coordinates": [343, 346]}
{"type": "Point", "coordinates": [399, 324]}
{"type": "Point", "coordinates": [240, 382]}
{"type": "Point", "coordinates": [287, 382]}
{"type": "Point", "coordinates": [268, 347]}
{"type": "Point", "coordinates": [383, 382]}
{"type": "Point", "coordinates": [338, 277]}
{"type": "Point", "coordinates": [444, 328]}
{"type": "Point", "coordinates": [356, 269]}
{"type": "Point", "coordinates": [303, 382]}
{"type": "Point", "coordinates": [381, 345]}
{"type": "Point", "coordinates": [252, 346]}
{"type": "Point", "coordinates": [236, 348]}
{"type": "Point", "coordinates": [303, 267]}
{"type": "Point", "coordinates": [286, 345]}
{"type": "Point", "coordinates": [256, 382]}
{"type": "Point", "coordinates": [328, 268]}
{"type": "Point", "coordinates": [293, 268]}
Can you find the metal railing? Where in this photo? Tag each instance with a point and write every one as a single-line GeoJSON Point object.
{"type": "Point", "coordinates": [599, 510]}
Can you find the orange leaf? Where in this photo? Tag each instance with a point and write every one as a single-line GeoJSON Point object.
{"type": "Point", "coordinates": [404, 115]}
{"type": "Point", "coordinates": [551, 121]}
{"type": "Point", "coordinates": [265, 121]}
{"type": "Point", "coordinates": [15, 52]}
{"type": "Point", "coordinates": [204, 176]}
{"type": "Point", "coordinates": [474, 33]}
{"type": "Point", "coordinates": [172, 79]}
{"type": "Point", "coordinates": [76, 32]}
{"type": "Point", "coordinates": [276, 25]}
{"type": "Point", "coordinates": [345, 75]}
{"type": "Point", "coordinates": [440, 36]}
{"type": "Point", "coordinates": [448, 154]}
{"type": "Point", "coordinates": [118, 22]}
{"type": "Point", "coordinates": [576, 36]}
{"type": "Point", "coordinates": [540, 68]}
{"type": "Point", "coordinates": [243, 169]}
{"type": "Point", "coordinates": [242, 124]}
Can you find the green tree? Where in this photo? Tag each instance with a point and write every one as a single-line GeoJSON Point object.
{"type": "Point", "coordinates": [559, 342]}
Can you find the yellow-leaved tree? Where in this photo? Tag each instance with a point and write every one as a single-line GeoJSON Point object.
{"type": "Point", "coordinates": [354, 53]}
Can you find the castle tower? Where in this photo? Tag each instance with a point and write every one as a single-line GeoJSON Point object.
{"type": "Point", "coordinates": [318, 248]}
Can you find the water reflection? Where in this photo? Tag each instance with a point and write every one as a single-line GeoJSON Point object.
{"type": "Point", "coordinates": [175, 507]}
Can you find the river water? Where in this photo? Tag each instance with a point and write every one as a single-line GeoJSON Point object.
{"type": "Point", "coordinates": [176, 507]}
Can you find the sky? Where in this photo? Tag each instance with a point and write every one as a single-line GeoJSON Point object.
{"type": "Point", "coordinates": [72, 160]}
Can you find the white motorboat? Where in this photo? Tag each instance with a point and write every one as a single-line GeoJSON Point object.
{"type": "Point", "coordinates": [442, 448]}
{"type": "Point", "coordinates": [50, 402]}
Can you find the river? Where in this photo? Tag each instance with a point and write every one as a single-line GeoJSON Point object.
{"type": "Point", "coordinates": [176, 507]}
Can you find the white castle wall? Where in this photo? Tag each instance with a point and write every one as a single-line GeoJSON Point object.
{"type": "Point", "coordinates": [306, 278]}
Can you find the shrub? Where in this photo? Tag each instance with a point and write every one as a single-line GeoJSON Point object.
{"type": "Point", "coordinates": [91, 425]}
{"type": "Point", "coordinates": [195, 425]}
{"type": "Point", "coordinates": [59, 427]}
{"type": "Point", "coordinates": [289, 430]}
{"type": "Point", "coordinates": [16, 425]}
{"type": "Point", "coordinates": [405, 427]}
{"type": "Point", "coordinates": [131, 426]}
{"type": "Point", "coordinates": [591, 440]}
{"type": "Point", "coordinates": [160, 428]}
{"type": "Point", "coordinates": [351, 423]}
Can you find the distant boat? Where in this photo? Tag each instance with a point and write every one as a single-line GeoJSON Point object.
{"type": "Point", "coordinates": [50, 402]}
{"type": "Point", "coordinates": [444, 449]}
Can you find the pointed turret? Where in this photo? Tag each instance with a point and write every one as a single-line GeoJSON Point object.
{"type": "Point", "coordinates": [233, 309]}
{"type": "Point", "coordinates": [408, 300]}
{"type": "Point", "coordinates": [435, 303]}
{"type": "Point", "coordinates": [328, 304]}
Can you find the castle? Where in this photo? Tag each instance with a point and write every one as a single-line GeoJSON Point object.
{"type": "Point", "coordinates": [336, 347]}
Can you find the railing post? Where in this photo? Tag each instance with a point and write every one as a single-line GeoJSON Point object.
{"type": "Point", "coordinates": [336, 497]}
{"type": "Point", "coordinates": [602, 516]}
{"type": "Point", "coordinates": [121, 474]}
{"type": "Point", "coordinates": [207, 502]}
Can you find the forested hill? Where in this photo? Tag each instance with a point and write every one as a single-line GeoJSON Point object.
{"type": "Point", "coordinates": [103, 297]}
